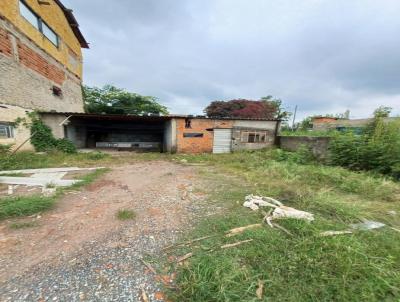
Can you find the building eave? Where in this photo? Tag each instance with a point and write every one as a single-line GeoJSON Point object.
{"type": "Point", "coordinates": [73, 23]}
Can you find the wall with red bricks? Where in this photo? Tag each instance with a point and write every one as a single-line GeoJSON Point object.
{"type": "Point", "coordinates": [5, 43]}
{"type": "Point", "coordinates": [198, 144]}
{"type": "Point", "coordinates": [28, 75]}
{"type": "Point", "coordinates": [36, 62]}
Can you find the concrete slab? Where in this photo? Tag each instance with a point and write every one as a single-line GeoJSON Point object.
{"type": "Point", "coordinates": [33, 181]}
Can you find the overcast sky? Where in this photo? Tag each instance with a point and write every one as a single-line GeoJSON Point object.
{"type": "Point", "coordinates": [326, 56]}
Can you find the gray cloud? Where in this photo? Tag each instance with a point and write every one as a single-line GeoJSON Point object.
{"type": "Point", "coordinates": [324, 56]}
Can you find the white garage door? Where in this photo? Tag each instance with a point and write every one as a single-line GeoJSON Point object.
{"type": "Point", "coordinates": [222, 141]}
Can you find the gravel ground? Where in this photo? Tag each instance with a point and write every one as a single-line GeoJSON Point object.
{"type": "Point", "coordinates": [107, 266]}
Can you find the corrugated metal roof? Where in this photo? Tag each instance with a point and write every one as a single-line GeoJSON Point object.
{"type": "Point", "coordinates": [164, 117]}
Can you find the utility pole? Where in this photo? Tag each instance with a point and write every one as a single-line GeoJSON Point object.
{"type": "Point", "coordinates": [294, 117]}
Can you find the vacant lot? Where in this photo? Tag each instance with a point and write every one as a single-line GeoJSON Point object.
{"type": "Point", "coordinates": [294, 264]}
{"type": "Point", "coordinates": [89, 246]}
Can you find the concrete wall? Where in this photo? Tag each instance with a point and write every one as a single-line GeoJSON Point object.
{"type": "Point", "coordinates": [318, 145]}
{"type": "Point", "coordinates": [238, 144]}
{"type": "Point", "coordinates": [8, 114]}
{"type": "Point", "coordinates": [170, 136]}
{"type": "Point", "coordinates": [339, 123]}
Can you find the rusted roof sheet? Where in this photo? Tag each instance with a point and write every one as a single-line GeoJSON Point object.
{"type": "Point", "coordinates": [159, 117]}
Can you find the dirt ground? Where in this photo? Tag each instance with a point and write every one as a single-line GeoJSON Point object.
{"type": "Point", "coordinates": [83, 227]}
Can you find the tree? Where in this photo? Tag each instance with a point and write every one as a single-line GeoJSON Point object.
{"type": "Point", "coordinates": [268, 108]}
{"type": "Point", "coordinates": [112, 100]}
{"type": "Point", "coordinates": [280, 113]}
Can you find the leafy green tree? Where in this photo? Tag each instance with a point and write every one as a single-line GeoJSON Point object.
{"type": "Point", "coordinates": [280, 112]}
{"type": "Point", "coordinates": [112, 100]}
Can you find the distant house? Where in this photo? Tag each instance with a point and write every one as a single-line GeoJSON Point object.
{"type": "Point", "coordinates": [331, 123]}
{"type": "Point", "coordinates": [40, 63]}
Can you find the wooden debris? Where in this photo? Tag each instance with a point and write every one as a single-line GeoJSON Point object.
{"type": "Point", "coordinates": [187, 242]}
{"type": "Point", "coordinates": [282, 228]}
{"type": "Point", "coordinates": [334, 233]}
{"type": "Point", "coordinates": [240, 230]}
{"type": "Point", "coordinates": [144, 296]}
{"type": "Point", "coordinates": [226, 246]}
{"type": "Point", "coordinates": [260, 289]}
{"type": "Point", "coordinates": [149, 266]}
{"type": "Point", "coordinates": [394, 229]}
{"type": "Point", "coordinates": [185, 257]}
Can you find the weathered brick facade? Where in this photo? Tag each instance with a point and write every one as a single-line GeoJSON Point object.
{"type": "Point", "coordinates": [35, 72]}
{"type": "Point", "coordinates": [31, 59]}
{"type": "Point", "coordinates": [5, 43]}
{"type": "Point", "coordinates": [198, 144]}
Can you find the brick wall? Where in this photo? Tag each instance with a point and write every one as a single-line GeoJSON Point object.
{"type": "Point", "coordinates": [28, 74]}
{"type": "Point", "coordinates": [5, 43]}
{"type": "Point", "coordinates": [36, 62]}
{"type": "Point", "coordinates": [198, 144]}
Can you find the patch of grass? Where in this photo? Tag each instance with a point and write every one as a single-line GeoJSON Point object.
{"type": "Point", "coordinates": [24, 205]}
{"type": "Point", "coordinates": [88, 178]}
{"type": "Point", "coordinates": [125, 214]}
{"type": "Point", "coordinates": [23, 225]}
{"type": "Point", "coordinates": [29, 205]}
{"type": "Point", "coordinates": [32, 160]}
{"type": "Point", "coordinates": [364, 266]}
{"type": "Point", "coordinates": [12, 174]}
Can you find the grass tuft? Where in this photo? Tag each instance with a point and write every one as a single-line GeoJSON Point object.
{"type": "Point", "coordinates": [125, 214]}
{"type": "Point", "coordinates": [23, 225]}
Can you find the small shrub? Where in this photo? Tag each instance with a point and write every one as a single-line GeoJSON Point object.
{"type": "Point", "coordinates": [65, 146]}
{"type": "Point", "coordinates": [303, 155]}
{"type": "Point", "coordinates": [96, 155]}
{"type": "Point", "coordinates": [126, 214]}
{"type": "Point", "coordinates": [5, 149]}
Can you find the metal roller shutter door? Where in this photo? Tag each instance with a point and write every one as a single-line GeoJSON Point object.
{"type": "Point", "coordinates": [222, 141]}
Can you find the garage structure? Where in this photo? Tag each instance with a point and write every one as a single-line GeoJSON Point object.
{"type": "Point", "coordinates": [172, 133]}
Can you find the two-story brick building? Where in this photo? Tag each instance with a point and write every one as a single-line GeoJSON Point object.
{"type": "Point", "coordinates": [40, 63]}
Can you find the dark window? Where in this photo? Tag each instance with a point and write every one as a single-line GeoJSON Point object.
{"type": "Point", "coordinates": [253, 136]}
{"type": "Point", "coordinates": [6, 131]}
{"type": "Point", "coordinates": [193, 134]}
{"type": "Point", "coordinates": [57, 91]}
{"type": "Point", "coordinates": [38, 23]}
{"type": "Point", "coordinates": [188, 123]}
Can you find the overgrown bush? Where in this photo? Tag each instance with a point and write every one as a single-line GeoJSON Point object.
{"type": "Point", "coordinates": [43, 139]}
{"type": "Point", "coordinates": [5, 149]}
{"type": "Point", "coordinates": [377, 149]}
{"type": "Point", "coordinates": [303, 155]}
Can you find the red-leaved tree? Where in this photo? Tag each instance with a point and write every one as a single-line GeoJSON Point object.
{"type": "Point", "coordinates": [242, 108]}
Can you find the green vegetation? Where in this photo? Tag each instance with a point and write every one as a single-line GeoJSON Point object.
{"type": "Point", "coordinates": [113, 100]}
{"type": "Point", "coordinates": [308, 133]}
{"type": "Point", "coordinates": [364, 266]}
{"type": "Point", "coordinates": [28, 205]}
{"type": "Point", "coordinates": [377, 149]}
{"type": "Point", "coordinates": [42, 137]}
{"type": "Point", "coordinates": [24, 205]}
{"type": "Point", "coordinates": [31, 160]}
{"type": "Point", "coordinates": [125, 214]}
{"type": "Point", "coordinates": [23, 225]}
